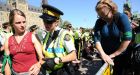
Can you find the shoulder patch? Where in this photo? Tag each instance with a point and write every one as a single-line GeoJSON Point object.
{"type": "Point", "coordinates": [67, 37]}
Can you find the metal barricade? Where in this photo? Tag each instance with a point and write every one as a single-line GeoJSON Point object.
{"type": "Point", "coordinates": [106, 69]}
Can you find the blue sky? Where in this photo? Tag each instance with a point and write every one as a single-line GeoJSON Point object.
{"type": "Point", "coordinates": [82, 12]}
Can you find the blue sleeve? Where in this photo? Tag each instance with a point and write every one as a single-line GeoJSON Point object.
{"type": "Point", "coordinates": [126, 27]}
{"type": "Point", "coordinates": [98, 26]}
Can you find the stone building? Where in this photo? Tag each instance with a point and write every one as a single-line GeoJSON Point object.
{"type": "Point", "coordinates": [32, 12]}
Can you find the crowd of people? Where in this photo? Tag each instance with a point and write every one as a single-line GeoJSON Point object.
{"type": "Point", "coordinates": [56, 51]}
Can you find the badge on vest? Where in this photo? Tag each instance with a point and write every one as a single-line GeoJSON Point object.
{"type": "Point", "coordinates": [67, 37]}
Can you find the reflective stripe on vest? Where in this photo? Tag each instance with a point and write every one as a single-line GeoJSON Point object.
{"type": "Point", "coordinates": [58, 47]}
{"type": "Point", "coordinates": [76, 35]}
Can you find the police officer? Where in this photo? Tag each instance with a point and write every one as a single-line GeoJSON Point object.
{"type": "Point", "coordinates": [78, 40]}
{"type": "Point", "coordinates": [69, 28]}
{"type": "Point", "coordinates": [58, 46]}
{"type": "Point", "coordinates": [5, 33]}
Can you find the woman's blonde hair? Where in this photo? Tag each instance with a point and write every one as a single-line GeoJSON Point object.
{"type": "Point", "coordinates": [107, 3]}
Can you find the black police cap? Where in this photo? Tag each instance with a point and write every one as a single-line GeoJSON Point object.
{"type": "Point", "coordinates": [50, 12]}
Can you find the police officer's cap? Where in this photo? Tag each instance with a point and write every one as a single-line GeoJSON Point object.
{"type": "Point", "coordinates": [5, 25]}
{"type": "Point", "coordinates": [50, 13]}
{"type": "Point", "coordinates": [33, 27]}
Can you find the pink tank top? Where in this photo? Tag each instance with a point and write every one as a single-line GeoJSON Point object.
{"type": "Point", "coordinates": [23, 53]}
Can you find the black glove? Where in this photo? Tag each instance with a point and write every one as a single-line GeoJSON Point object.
{"type": "Point", "coordinates": [49, 63]}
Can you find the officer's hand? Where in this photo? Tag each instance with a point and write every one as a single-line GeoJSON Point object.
{"type": "Point", "coordinates": [49, 63]}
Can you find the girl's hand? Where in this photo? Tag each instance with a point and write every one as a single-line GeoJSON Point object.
{"type": "Point", "coordinates": [34, 70]}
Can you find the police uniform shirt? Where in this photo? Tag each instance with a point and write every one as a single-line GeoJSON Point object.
{"type": "Point", "coordinates": [5, 35]}
{"type": "Point", "coordinates": [79, 33]}
{"type": "Point", "coordinates": [71, 32]}
{"type": "Point", "coordinates": [68, 43]}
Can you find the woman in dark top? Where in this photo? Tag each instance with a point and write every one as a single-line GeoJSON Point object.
{"type": "Point", "coordinates": [112, 34]}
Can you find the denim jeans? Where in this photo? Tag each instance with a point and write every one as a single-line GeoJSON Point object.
{"type": "Point", "coordinates": [22, 73]}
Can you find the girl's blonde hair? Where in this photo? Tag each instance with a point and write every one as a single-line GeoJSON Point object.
{"type": "Point", "coordinates": [107, 3]}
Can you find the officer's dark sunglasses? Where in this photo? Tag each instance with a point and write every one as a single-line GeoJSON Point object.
{"type": "Point", "coordinates": [48, 22]}
{"type": "Point", "coordinates": [70, 26]}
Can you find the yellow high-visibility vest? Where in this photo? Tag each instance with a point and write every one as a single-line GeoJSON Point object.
{"type": "Point", "coordinates": [58, 47]}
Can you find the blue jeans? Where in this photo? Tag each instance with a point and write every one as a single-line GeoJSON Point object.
{"type": "Point", "coordinates": [22, 73]}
